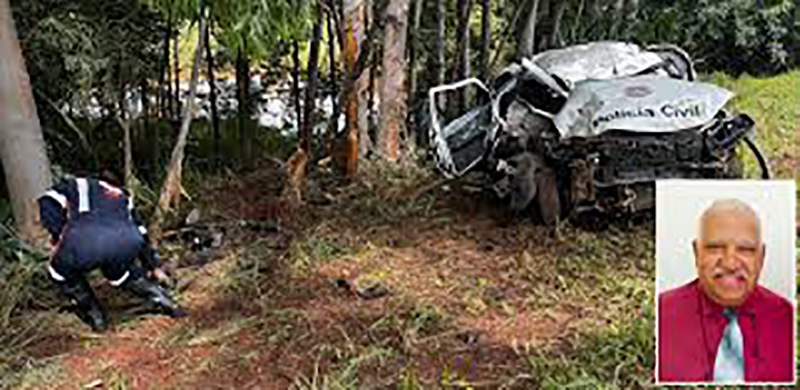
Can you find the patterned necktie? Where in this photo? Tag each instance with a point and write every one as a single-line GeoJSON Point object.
{"type": "Point", "coordinates": [729, 365]}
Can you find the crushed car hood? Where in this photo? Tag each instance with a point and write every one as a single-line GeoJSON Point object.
{"type": "Point", "coordinates": [597, 60]}
{"type": "Point", "coordinates": [641, 104]}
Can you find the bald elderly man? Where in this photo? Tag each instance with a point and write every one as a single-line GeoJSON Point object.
{"type": "Point", "coordinates": [723, 327]}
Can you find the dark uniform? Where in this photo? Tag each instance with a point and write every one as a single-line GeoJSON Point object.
{"type": "Point", "coordinates": [92, 225]}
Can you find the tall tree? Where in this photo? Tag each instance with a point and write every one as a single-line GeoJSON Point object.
{"type": "Point", "coordinates": [246, 133]}
{"type": "Point", "coordinates": [486, 38]}
{"type": "Point", "coordinates": [311, 88]}
{"type": "Point", "coordinates": [462, 37]}
{"type": "Point", "coordinates": [176, 53]}
{"type": "Point", "coordinates": [213, 95]}
{"type": "Point", "coordinates": [296, 82]}
{"type": "Point", "coordinates": [393, 103]}
{"type": "Point", "coordinates": [332, 65]}
{"type": "Point", "coordinates": [414, 46]}
{"type": "Point", "coordinates": [170, 102]}
{"type": "Point", "coordinates": [22, 147]}
{"type": "Point", "coordinates": [351, 25]}
{"type": "Point", "coordinates": [363, 79]}
{"type": "Point", "coordinates": [526, 38]}
{"type": "Point", "coordinates": [438, 62]}
{"type": "Point", "coordinates": [556, 15]}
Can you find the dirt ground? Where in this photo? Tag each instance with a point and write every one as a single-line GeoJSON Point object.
{"type": "Point", "coordinates": [362, 287]}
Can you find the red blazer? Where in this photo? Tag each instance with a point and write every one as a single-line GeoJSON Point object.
{"type": "Point", "coordinates": [690, 327]}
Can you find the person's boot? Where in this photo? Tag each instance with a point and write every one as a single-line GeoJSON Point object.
{"type": "Point", "coordinates": [86, 306]}
{"type": "Point", "coordinates": [155, 294]}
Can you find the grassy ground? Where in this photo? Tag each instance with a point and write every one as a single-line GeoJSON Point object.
{"type": "Point", "coordinates": [774, 103]}
{"type": "Point", "coordinates": [472, 300]}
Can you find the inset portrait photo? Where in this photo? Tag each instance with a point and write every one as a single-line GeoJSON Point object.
{"type": "Point", "coordinates": [725, 282]}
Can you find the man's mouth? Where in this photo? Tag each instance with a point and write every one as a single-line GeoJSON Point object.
{"type": "Point", "coordinates": [730, 281]}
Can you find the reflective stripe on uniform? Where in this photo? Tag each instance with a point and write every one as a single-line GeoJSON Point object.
{"type": "Point", "coordinates": [57, 196]}
{"type": "Point", "coordinates": [55, 275]}
{"type": "Point", "coordinates": [118, 282]}
{"type": "Point", "coordinates": [83, 195]}
{"type": "Point", "coordinates": [115, 190]}
{"type": "Point", "coordinates": [142, 230]}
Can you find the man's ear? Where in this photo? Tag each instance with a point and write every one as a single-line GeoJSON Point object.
{"type": "Point", "coordinates": [761, 257]}
{"type": "Point", "coordinates": [694, 249]}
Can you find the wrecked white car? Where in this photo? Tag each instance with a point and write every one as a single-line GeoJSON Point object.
{"type": "Point", "coordinates": [589, 127]}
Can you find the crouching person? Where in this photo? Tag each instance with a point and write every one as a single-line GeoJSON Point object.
{"type": "Point", "coordinates": [91, 225]}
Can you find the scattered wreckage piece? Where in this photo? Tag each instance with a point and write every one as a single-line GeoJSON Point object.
{"type": "Point", "coordinates": [591, 127]}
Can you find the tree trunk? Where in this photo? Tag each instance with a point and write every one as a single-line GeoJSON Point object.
{"type": "Point", "coordinates": [172, 188]}
{"type": "Point", "coordinates": [243, 97]}
{"type": "Point", "coordinates": [176, 53]}
{"type": "Point", "coordinates": [311, 88]}
{"type": "Point", "coordinates": [22, 147]}
{"type": "Point", "coordinates": [168, 41]}
{"type": "Point", "coordinates": [332, 64]}
{"type": "Point", "coordinates": [147, 129]}
{"type": "Point", "coordinates": [213, 96]}
{"type": "Point", "coordinates": [127, 150]}
{"type": "Point", "coordinates": [296, 83]}
{"type": "Point", "coordinates": [527, 31]}
{"type": "Point", "coordinates": [362, 84]}
{"type": "Point", "coordinates": [555, 22]}
{"type": "Point", "coordinates": [350, 94]}
{"type": "Point", "coordinates": [438, 57]}
{"type": "Point", "coordinates": [577, 22]}
{"type": "Point", "coordinates": [618, 18]}
{"type": "Point", "coordinates": [414, 47]}
{"type": "Point", "coordinates": [393, 109]}
{"type": "Point", "coordinates": [486, 38]}
{"type": "Point", "coordinates": [462, 37]}
{"type": "Point", "coordinates": [162, 70]}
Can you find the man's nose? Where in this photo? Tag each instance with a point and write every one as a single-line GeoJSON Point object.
{"type": "Point", "coordinates": [728, 259]}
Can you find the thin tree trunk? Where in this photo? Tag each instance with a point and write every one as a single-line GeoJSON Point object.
{"type": "Point", "coordinates": [555, 23]}
{"type": "Point", "coordinates": [593, 7]}
{"type": "Point", "coordinates": [414, 46]}
{"type": "Point", "coordinates": [213, 96]}
{"type": "Point", "coordinates": [127, 149]}
{"type": "Point", "coordinates": [577, 22]}
{"type": "Point", "coordinates": [462, 37]}
{"type": "Point", "coordinates": [350, 94]}
{"type": "Point", "coordinates": [144, 89]}
{"type": "Point", "coordinates": [618, 18]}
{"type": "Point", "coordinates": [438, 57]}
{"type": "Point", "coordinates": [332, 63]}
{"type": "Point", "coordinates": [176, 53]}
{"type": "Point", "coordinates": [393, 110]}
{"type": "Point", "coordinates": [296, 83]}
{"type": "Point", "coordinates": [365, 103]}
{"type": "Point", "coordinates": [162, 70]}
{"type": "Point", "coordinates": [486, 38]}
{"type": "Point", "coordinates": [243, 97]}
{"type": "Point", "coordinates": [22, 146]}
{"type": "Point", "coordinates": [172, 188]}
{"type": "Point", "coordinates": [167, 42]}
{"type": "Point", "coordinates": [527, 32]}
{"type": "Point", "coordinates": [311, 88]}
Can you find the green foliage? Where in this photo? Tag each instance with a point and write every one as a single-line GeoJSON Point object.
{"type": "Point", "coordinates": [734, 36]}
{"type": "Point", "coordinates": [775, 106]}
{"type": "Point", "coordinates": [256, 26]}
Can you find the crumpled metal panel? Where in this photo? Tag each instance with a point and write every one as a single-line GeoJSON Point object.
{"type": "Point", "coordinates": [597, 60]}
{"type": "Point", "coordinates": [641, 104]}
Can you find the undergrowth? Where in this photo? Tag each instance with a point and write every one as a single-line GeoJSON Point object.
{"type": "Point", "coordinates": [24, 283]}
